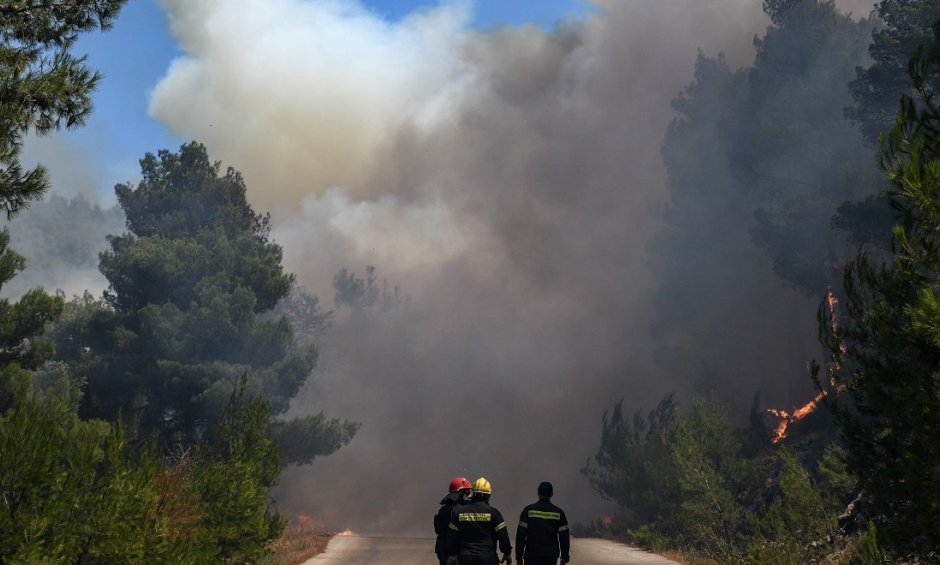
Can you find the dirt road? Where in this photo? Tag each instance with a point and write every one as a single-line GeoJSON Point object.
{"type": "Point", "coordinates": [365, 550]}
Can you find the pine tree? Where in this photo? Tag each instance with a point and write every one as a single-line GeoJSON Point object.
{"type": "Point", "coordinates": [711, 472]}
{"type": "Point", "coordinates": [887, 349]}
{"type": "Point", "coordinates": [878, 87]}
{"type": "Point", "coordinates": [634, 468]}
{"type": "Point", "coordinates": [22, 322]}
{"type": "Point", "coordinates": [43, 86]}
{"type": "Point", "coordinates": [187, 312]}
{"type": "Point", "coordinates": [70, 489]}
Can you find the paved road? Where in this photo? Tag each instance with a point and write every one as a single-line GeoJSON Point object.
{"type": "Point", "coordinates": [365, 550]}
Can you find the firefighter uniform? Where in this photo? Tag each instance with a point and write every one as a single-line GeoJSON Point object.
{"type": "Point", "coordinates": [542, 536]}
{"type": "Point", "coordinates": [442, 519]}
{"type": "Point", "coordinates": [476, 529]}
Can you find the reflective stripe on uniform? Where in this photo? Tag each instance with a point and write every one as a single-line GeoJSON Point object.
{"type": "Point", "coordinates": [454, 527]}
{"type": "Point", "coordinates": [563, 528]}
{"type": "Point", "coordinates": [500, 526]}
{"type": "Point", "coordinates": [523, 525]}
{"type": "Point", "coordinates": [475, 516]}
{"type": "Point", "coordinates": [544, 515]}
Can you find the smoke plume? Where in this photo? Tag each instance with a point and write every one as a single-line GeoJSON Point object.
{"type": "Point", "coordinates": [507, 181]}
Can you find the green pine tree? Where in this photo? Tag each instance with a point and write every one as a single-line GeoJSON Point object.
{"type": "Point", "coordinates": [192, 286]}
{"type": "Point", "coordinates": [70, 490]}
{"type": "Point", "coordinates": [887, 347]}
{"type": "Point", "coordinates": [232, 471]}
{"type": "Point", "coordinates": [43, 86]}
{"type": "Point", "coordinates": [23, 322]}
{"type": "Point", "coordinates": [712, 472]}
{"type": "Point", "coordinates": [634, 467]}
{"type": "Point", "coordinates": [798, 524]}
{"type": "Point", "coordinates": [905, 24]}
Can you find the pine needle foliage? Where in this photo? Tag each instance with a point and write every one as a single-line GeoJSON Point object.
{"type": "Point", "coordinates": [193, 284]}
{"type": "Point", "coordinates": [887, 350]}
{"type": "Point", "coordinates": [43, 86]}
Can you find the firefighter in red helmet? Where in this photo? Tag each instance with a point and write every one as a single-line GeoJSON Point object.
{"type": "Point", "coordinates": [478, 530]}
{"type": "Point", "coordinates": [458, 493]}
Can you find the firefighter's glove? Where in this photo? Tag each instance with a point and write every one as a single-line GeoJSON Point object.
{"type": "Point", "coordinates": [452, 560]}
{"type": "Point", "coordinates": [507, 559]}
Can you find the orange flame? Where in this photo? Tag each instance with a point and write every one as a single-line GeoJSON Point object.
{"type": "Point", "coordinates": [787, 418]}
{"type": "Point", "coordinates": [347, 532]}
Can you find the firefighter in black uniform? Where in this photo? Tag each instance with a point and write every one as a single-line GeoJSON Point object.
{"type": "Point", "coordinates": [542, 535]}
{"type": "Point", "coordinates": [476, 529]}
{"type": "Point", "coordinates": [459, 493]}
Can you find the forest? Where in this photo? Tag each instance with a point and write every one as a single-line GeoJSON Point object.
{"type": "Point", "coordinates": [141, 425]}
{"type": "Point", "coordinates": [150, 422]}
{"type": "Point", "coordinates": [840, 478]}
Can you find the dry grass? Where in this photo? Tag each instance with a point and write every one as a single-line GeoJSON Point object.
{"type": "Point", "coordinates": [685, 558]}
{"type": "Point", "coordinates": [299, 544]}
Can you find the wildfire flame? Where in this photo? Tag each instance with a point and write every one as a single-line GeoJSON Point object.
{"type": "Point", "coordinates": [787, 418]}
{"type": "Point", "coordinates": [347, 532]}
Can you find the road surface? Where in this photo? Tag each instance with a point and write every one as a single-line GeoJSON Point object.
{"type": "Point", "coordinates": [366, 550]}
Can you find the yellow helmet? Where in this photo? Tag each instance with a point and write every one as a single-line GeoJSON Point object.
{"type": "Point", "coordinates": [482, 486]}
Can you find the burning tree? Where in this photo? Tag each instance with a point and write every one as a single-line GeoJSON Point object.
{"type": "Point", "coordinates": [888, 346]}
{"type": "Point", "coordinates": [797, 414]}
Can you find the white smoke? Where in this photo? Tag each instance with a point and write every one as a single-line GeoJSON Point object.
{"type": "Point", "coordinates": [302, 95]}
{"type": "Point", "coordinates": [504, 179]}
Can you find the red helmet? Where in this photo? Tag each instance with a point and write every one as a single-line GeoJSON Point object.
{"type": "Point", "coordinates": [459, 483]}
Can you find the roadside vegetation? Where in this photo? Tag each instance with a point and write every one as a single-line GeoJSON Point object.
{"type": "Point", "coordinates": [149, 424]}
{"type": "Point", "coordinates": [298, 544]}
{"type": "Point", "coordinates": [850, 478]}
{"type": "Point", "coordinates": [145, 426]}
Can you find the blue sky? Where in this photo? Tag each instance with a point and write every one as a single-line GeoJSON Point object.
{"type": "Point", "coordinates": [136, 52]}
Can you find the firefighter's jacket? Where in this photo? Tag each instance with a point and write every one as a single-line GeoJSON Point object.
{"type": "Point", "coordinates": [542, 532]}
{"type": "Point", "coordinates": [475, 530]}
{"type": "Point", "coordinates": [442, 520]}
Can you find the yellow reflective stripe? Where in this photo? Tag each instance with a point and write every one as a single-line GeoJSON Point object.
{"type": "Point", "coordinates": [500, 526]}
{"type": "Point", "coordinates": [523, 525]}
{"type": "Point", "coordinates": [475, 516]}
{"type": "Point", "coordinates": [544, 515]}
{"type": "Point", "coordinates": [563, 528]}
{"type": "Point", "coordinates": [454, 527]}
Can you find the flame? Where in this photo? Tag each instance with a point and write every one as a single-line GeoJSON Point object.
{"type": "Point", "coordinates": [787, 418]}
{"type": "Point", "coordinates": [833, 301]}
{"type": "Point", "coordinates": [347, 532]}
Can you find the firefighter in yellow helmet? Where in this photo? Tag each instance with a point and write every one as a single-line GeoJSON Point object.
{"type": "Point", "coordinates": [477, 529]}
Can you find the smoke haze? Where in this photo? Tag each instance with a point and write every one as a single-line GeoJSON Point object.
{"type": "Point", "coordinates": [509, 182]}
{"type": "Point", "coordinates": [505, 180]}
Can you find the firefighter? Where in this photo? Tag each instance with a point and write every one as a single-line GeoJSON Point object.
{"type": "Point", "coordinates": [477, 529]}
{"type": "Point", "coordinates": [542, 535]}
{"type": "Point", "coordinates": [458, 493]}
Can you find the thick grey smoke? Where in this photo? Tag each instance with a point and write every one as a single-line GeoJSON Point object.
{"type": "Point", "coordinates": [858, 8]}
{"type": "Point", "coordinates": [507, 181]}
